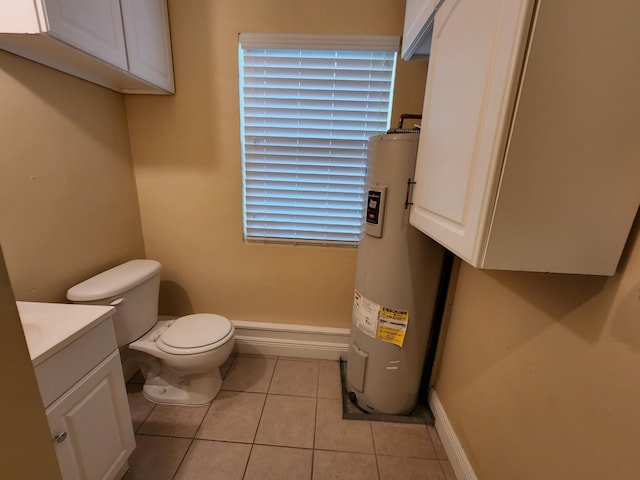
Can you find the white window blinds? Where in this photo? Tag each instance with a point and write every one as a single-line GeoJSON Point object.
{"type": "Point", "coordinates": [307, 114]}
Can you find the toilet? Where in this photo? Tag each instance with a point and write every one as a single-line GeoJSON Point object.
{"type": "Point", "coordinates": [180, 359]}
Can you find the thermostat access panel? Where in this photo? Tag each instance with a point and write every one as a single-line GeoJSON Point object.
{"type": "Point", "coordinates": [375, 211]}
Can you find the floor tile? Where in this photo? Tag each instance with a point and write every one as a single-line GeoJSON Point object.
{"type": "Point", "coordinates": [206, 459]}
{"type": "Point", "coordinates": [287, 421]}
{"type": "Point", "coordinates": [139, 406]}
{"type": "Point", "coordinates": [335, 433]}
{"type": "Point", "coordinates": [250, 374]}
{"type": "Point", "coordinates": [437, 443]}
{"type": "Point", "coordinates": [233, 417]}
{"type": "Point", "coordinates": [156, 458]}
{"type": "Point", "coordinates": [344, 466]}
{"type": "Point", "coordinates": [277, 418]}
{"type": "Point", "coordinates": [283, 463]}
{"type": "Point", "coordinates": [329, 384]}
{"type": "Point", "coordinates": [402, 468]}
{"type": "Point", "coordinates": [449, 474]}
{"type": "Point", "coordinates": [402, 440]}
{"type": "Point", "coordinates": [292, 377]}
{"type": "Point", "coordinates": [174, 420]}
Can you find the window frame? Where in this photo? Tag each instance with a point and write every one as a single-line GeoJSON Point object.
{"type": "Point", "coordinates": [248, 41]}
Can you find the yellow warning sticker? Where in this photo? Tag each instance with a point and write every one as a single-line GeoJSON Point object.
{"type": "Point", "coordinates": [392, 325]}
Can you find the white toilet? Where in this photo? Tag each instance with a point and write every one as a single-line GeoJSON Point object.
{"type": "Point", "coordinates": [180, 359]}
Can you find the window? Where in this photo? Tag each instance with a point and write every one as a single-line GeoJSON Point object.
{"type": "Point", "coordinates": [308, 107]}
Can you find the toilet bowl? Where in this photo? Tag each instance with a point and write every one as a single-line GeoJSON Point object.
{"type": "Point", "coordinates": [180, 359]}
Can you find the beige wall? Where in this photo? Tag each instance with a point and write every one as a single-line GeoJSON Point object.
{"type": "Point", "coordinates": [68, 203]}
{"type": "Point", "coordinates": [68, 209]}
{"type": "Point", "coordinates": [26, 450]}
{"type": "Point", "coordinates": [186, 150]}
{"type": "Point", "coordinates": [541, 373]}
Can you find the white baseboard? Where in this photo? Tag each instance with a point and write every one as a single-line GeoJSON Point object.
{"type": "Point", "coordinates": [455, 452]}
{"type": "Point", "coordinates": [302, 341]}
{"type": "Point", "coordinates": [288, 340]}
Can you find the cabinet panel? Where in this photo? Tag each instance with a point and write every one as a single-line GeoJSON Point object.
{"type": "Point", "coordinates": [87, 39]}
{"type": "Point", "coordinates": [477, 50]}
{"type": "Point", "coordinates": [528, 153]}
{"type": "Point", "coordinates": [146, 24]}
{"type": "Point", "coordinates": [570, 184]}
{"type": "Point", "coordinates": [95, 418]}
{"type": "Point", "coordinates": [94, 27]}
{"type": "Point", "coordinates": [60, 372]}
{"type": "Point", "coordinates": [418, 23]}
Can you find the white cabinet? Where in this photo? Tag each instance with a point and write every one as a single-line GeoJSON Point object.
{"type": "Point", "coordinates": [528, 154]}
{"type": "Point", "coordinates": [119, 44]}
{"type": "Point", "coordinates": [94, 27]}
{"type": "Point", "coordinates": [91, 425]}
{"type": "Point", "coordinates": [146, 23]}
{"type": "Point", "coordinates": [418, 26]}
{"type": "Point", "coordinates": [77, 366]}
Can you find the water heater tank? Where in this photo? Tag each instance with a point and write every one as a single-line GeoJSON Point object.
{"type": "Point", "coordinates": [397, 278]}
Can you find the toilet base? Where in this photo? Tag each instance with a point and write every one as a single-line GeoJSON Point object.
{"type": "Point", "coordinates": [192, 390]}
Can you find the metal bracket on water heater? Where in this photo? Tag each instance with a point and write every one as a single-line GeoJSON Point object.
{"type": "Point", "coordinates": [407, 203]}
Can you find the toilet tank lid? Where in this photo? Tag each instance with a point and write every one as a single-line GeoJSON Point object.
{"type": "Point", "coordinates": [114, 281]}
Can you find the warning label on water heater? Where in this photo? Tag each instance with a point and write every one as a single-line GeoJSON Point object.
{"type": "Point", "coordinates": [365, 314]}
{"type": "Point", "coordinates": [384, 323]}
{"type": "Point", "coordinates": [392, 325]}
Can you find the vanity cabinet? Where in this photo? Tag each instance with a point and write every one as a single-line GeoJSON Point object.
{"type": "Point", "coordinates": [123, 45]}
{"type": "Point", "coordinates": [418, 26]}
{"type": "Point", "coordinates": [91, 425]}
{"type": "Point", "coordinates": [77, 366]}
{"type": "Point", "coordinates": [528, 154]}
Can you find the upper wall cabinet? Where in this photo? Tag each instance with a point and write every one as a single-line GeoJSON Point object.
{"type": "Point", "coordinates": [529, 156]}
{"type": "Point", "coordinates": [418, 27]}
{"type": "Point", "coordinates": [146, 26]}
{"type": "Point", "coordinates": [123, 45]}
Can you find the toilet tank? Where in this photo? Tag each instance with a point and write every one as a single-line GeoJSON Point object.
{"type": "Point", "coordinates": [133, 288]}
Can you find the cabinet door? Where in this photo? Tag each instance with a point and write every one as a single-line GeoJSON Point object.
{"type": "Point", "coordinates": [475, 64]}
{"type": "Point", "coordinates": [146, 24]}
{"type": "Point", "coordinates": [417, 26]}
{"type": "Point", "coordinates": [94, 27]}
{"type": "Point", "coordinates": [91, 425]}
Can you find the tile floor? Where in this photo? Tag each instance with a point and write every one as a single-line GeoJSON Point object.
{"type": "Point", "coordinates": [277, 418]}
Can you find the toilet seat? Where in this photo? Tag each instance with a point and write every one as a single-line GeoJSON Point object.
{"type": "Point", "coordinates": [196, 333]}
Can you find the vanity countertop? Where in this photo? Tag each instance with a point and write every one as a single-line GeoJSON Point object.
{"type": "Point", "coordinates": [50, 327]}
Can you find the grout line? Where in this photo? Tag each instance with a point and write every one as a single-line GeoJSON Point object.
{"type": "Point", "coordinates": [146, 417]}
{"type": "Point", "coordinates": [186, 452]}
{"type": "Point", "coordinates": [246, 465]}
{"type": "Point", "coordinates": [165, 436]}
{"type": "Point", "coordinates": [375, 456]}
{"type": "Point", "coordinates": [274, 394]}
{"type": "Point", "coordinates": [264, 403]}
{"type": "Point", "coordinates": [153, 407]}
{"type": "Point", "coordinates": [444, 474]}
{"type": "Point", "coordinates": [375, 450]}
{"type": "Point", "coordinates": [280, 446]}
{"type": "Point", "coordinates": [315, 422]}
